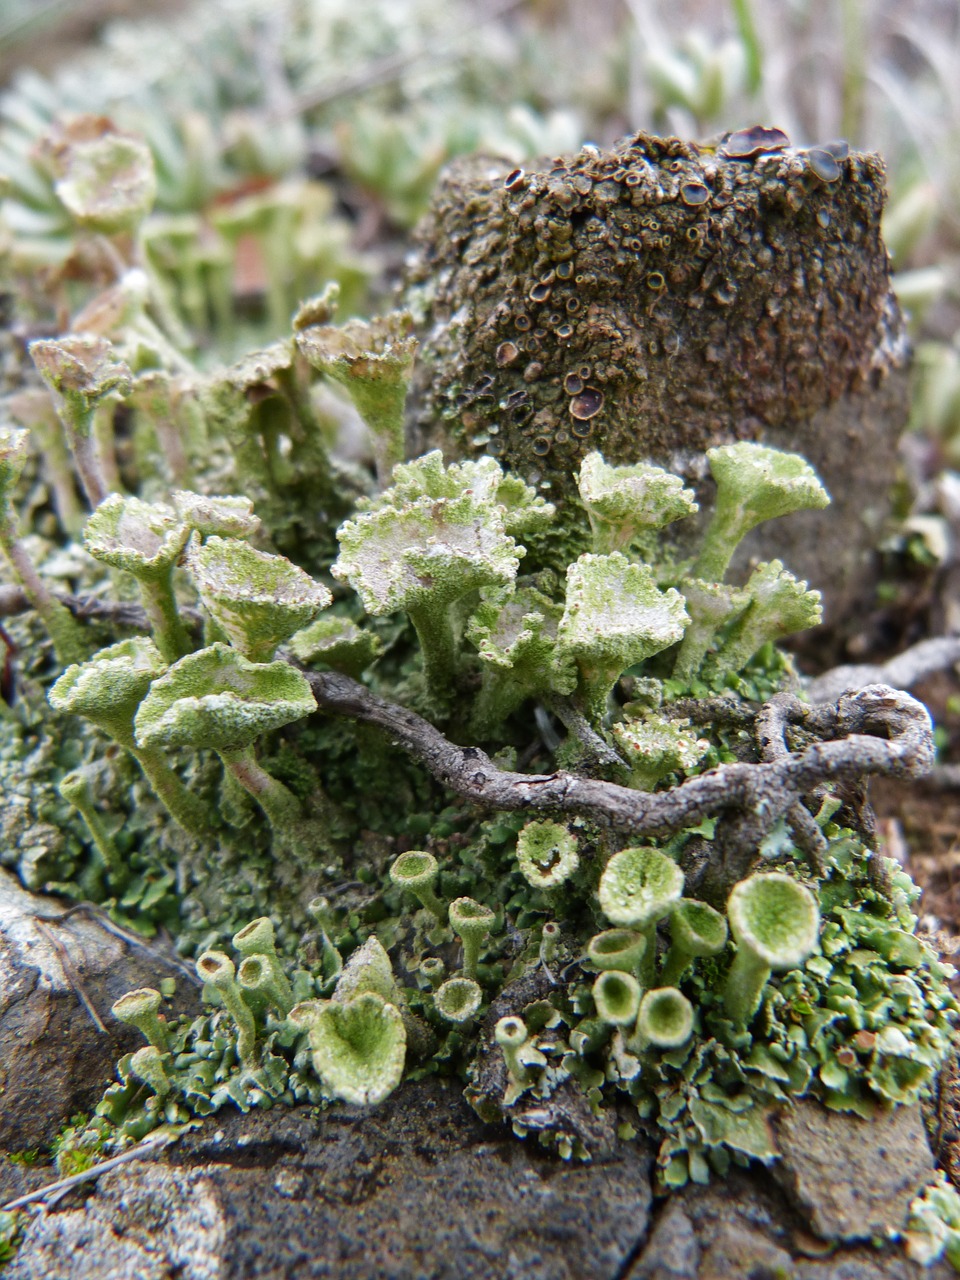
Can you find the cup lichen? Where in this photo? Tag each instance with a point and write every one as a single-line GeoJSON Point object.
{"type": "Point", "coordinates": [566, 674]}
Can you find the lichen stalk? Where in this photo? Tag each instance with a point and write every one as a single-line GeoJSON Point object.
{"type": "Point", "coordinates": [86, 455]}
{"type": "Point", "coordinates": [278, 802]}
{"type": "Point", "coordinates": [746, 978]}
{"type": "Point", "coordinates": [64, 631]}
{"type": "Point", "coordinates": [218, 970]}
{"type": "Point", "coordinates": [160, 605]}
{"type": "Point", "coordinates": [75, 788]}
{"type": "Point", "coordinates": [647, 964]}
{"type": "Point", "coordinates": [141, 1009]}
{"type": "Point", "coordinates": [104, 443]}
{"type": "Point", "coordinates": [186, 809]}
{"type": "Point", "coordinates": [438, 648]}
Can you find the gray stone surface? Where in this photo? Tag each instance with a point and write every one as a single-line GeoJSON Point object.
{"type": "Point", "coordinates": [415, 1189]}
{"type": "Point", "coordinates": [852, 1179]}
{"type": "Point", "coordinates": [742, 1229]}
{"type": "Point", "coordinates": [419, 1189]}
{"type": "Point", "coordinates": [54, 1060]}
{"type": "Point", "coordinates": [145, 1223]}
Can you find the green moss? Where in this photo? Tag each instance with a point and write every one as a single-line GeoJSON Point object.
{"type": "Point", "coordinates": [11, 1229]}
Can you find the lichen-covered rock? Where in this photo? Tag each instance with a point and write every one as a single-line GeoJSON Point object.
{"type": "Point", "coordinates": [742, 1228]}
{"type": "Point", "coordinates": [416, 1188]}
{"type": "Point", "coordinates": [661, 298]}
{"type": "Point", "coordinates": [419, 1187]}
{"type": "Point", "coordinates": [145, 1223]}
{"type": "Point", "coordinates": [852, 1178]}
{"type": "Point", "coordinates": [54, 1060]}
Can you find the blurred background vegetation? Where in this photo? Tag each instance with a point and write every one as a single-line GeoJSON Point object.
{"type": "Point", "coordinates": [298, 141]}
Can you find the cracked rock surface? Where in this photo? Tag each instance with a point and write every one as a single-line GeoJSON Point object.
{"type": "Point", "coordinates": [418, 1189]}
{"type": "Point", "coordinates": [852, 1178]}
{"type": "Point", "coordinates": [54, 1060]}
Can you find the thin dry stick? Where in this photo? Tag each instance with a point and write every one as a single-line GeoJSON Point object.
{"type": "Point", "coordinates": [150, 1145]}
{"type": "Point", "coordinates": [761, 793]}
{"type": "Point", "coordinates": [771, 735]}
{"type": "Point", "coordinates": [764, 792]}
{"type": "Point", "coordinates": [72, 976]}
{"type": "Point", "coordinates": [902, 672]}
{"type": "Point", "coordinates": [132, 939]}
{"type": "Point", "coordinates": [13, 600]}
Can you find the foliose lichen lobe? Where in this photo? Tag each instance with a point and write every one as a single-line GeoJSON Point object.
{"type": "Point", "coordinates": [616, 296]}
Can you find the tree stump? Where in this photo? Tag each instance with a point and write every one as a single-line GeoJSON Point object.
{"type": "Point", "coordinates": [663, 297]}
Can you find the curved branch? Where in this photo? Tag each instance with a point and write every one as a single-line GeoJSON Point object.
{"type": "Point", "coordinates": [764, 791]}
{"type": "Point", "coordinates": [87, 608]}
{"type": "Point", "coordinates": [771, 735]}
{"type": "Point", "coordinates": [874, 730]}
{"type": "Point", "coordinates": [902, 672]}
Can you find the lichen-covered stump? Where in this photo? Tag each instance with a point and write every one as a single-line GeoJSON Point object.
{"type": "Point", "coordinates": [658, 299]}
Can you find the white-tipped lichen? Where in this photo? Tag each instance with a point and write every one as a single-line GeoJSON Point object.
{"type": "Point", "coordinates": [547, 854]}
{"type": "Point", "coordinates": [257, 599]}
{"type": "Point", "coordinates": [615, 616]}
{"type": "Point", "coordinates": [754, 483]}
{"type": "Point", "coordinates": [622, 502]}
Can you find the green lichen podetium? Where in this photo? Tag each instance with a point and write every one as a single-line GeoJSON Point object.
{"type": "Point", "coordinates": [146, 540]}
{"type": "Point", "coordinates": [654, 747]}
{"type": "Point", "coordinates": [372, 361]}
{"type": "Point", "coordinates": [516, 639]}
{"type": "Point", "coordinates": [108, 183]}
{"type": "Point", "coordinates": [82, 372]}
{"type": "Point", "coordinates": [615, 616]}
{"type": "Point", "coordinates": [547, 854]}
{"type": "Point", "coordinates": [216, 699]}
{"type": "Point", "coordinates": [622, 502]}
{"type": "Point", "coordinates": [359, 1048]}
{"type": "Point", "coordinates": [754, 484]}
{"type": "Point", "coordinates": [107, 690]}
{"type": "Point", "coordinates": [434, 537]}
{"type": "Point", "coordinates": [775, 923]}
{"type": "Point", "coordinates": [639, 887]}
{"type": "Point", "coordinates": [64, 632]}
{"type": "Point", "coordinates": [257, 599]}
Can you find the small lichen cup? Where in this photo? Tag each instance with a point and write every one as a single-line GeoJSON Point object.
{"type": "Point", "coordinates": [775, 922]}
{"type": "Point", "coordinates": [638, 887]}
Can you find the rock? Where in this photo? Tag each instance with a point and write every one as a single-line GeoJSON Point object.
{"type": "Point", "coordinates": [146, 1223]}
{"type": "Point", "coordinates": [660, 298]}
{"type": "Point", "coordinates": [852, 1179]}
{"type": "Point", "coordinates": [420, 1189]}
{"type": "Point", "coordinates": [741, 1228]}
{"type": "Point", "coordinates": [414, 1189]}
{"type": "Point", "coordinates": [54, 1059]}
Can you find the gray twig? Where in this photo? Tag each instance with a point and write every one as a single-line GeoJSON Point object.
{"type": "Point", "coordinates": [874, 730]}
{"type": "Point", "coordinates": [719, 710]}
{"type": "Point", "coordinates": [150, 1145]}
{"type": "Point", "coordinates": [765, 791]}
{"type": "Point", "coordinates": [97, 913]}
{"type": "Point", "coordinates": [771, 733]}
{"type": "Point", "coordinates": [902, 672]}
{"type": "Point", "coordinates": [71, 975]}
{"type": "Point", "coordinates": [599, 756]}
{"type": "Point", "coordinates": [122, 613]}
